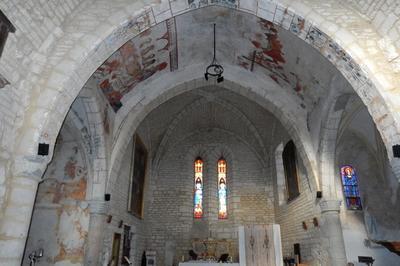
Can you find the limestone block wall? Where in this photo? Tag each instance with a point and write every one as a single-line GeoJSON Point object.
{"type": "Point", "coordinates": [291, 215]}
{"type": "Point", "coordinates": [384, 15]}
{"type": "Point", "coordinates": [170, 214]}
{"type": "Point", "coordinates": [38, 25]}
{"type": "Point", "coordinates": [61, 215]}
{"type": "Point", "coordinates": [118, 209]}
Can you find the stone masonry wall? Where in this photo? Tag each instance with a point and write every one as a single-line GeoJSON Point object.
{"type": "Point", "coordinates": [384, 15]}
{"type": "Point", "coordinates": [170, 215]}
{"type": "Point", "coordinates": [291, 215]}
{"type": "Point", "coordinates": [39, 24]}
{"type": "Point", "coordinates": [119, 211]}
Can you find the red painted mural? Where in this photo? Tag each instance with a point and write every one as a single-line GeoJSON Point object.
{"type": "Point", "coordinates": [268, 54]}
{"type": "Point", "coordinates": [138, 59]}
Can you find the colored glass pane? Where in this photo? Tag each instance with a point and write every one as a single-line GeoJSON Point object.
{"type": "Point", "coordinates": [350, 187]}
{"type": "Point", "coordinates": [198, 188]}
{"type": "Point", "coordinates": [222, 206]}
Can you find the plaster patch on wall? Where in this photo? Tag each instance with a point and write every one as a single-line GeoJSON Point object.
{"type": "Point", "coordinates": [72, 233]}
{"type": "Point", "coordinates": [61, 215]}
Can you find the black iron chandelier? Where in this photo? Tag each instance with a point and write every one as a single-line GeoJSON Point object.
{"type": "Point", "coordinates": [214, 69]}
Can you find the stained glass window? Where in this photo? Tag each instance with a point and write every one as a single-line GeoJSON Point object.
{"type": "Point", "coordinates": [222, 209]}
{"type": "Point", "coordinates": [198, 188]}
{"type": "Point", "coordinates": [350, 187]}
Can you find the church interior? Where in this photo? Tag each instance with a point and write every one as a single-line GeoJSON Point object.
{"type": "Point", "coordinates": [200, 132]}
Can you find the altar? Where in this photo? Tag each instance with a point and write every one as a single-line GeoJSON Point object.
{"type": "Point", "coordinates": [257, 245]}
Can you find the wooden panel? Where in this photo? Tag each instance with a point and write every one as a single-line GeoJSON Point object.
{"type": "Point", "coordinates": [260, 249]}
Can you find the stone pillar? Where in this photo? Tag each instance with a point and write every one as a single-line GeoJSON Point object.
{"type": "Point", "coordinates": [98, 211]}
{"type": "Point", "coordinates": [15, 217]}
{"type": "Point", "coordinates": [331, 232]}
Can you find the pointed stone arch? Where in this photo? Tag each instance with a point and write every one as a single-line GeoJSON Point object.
{"type": "Point", "coordinates": [74, 60]}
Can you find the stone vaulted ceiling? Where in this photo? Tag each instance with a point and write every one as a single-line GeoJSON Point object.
{"type": "Point", "coordinates": [243, 40]}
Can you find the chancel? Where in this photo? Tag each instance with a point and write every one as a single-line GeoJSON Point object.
{"type": "Point", "coordinates": [124, 141]}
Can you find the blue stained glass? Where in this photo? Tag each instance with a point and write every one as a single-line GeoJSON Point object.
{"type": "Point", "coordinates": [350, 187]}
{"type": "Point", "coordinates": [198, 189]}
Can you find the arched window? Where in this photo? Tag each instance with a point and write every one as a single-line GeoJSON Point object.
{"type": "Point", "coordinates": [198, 188]}
{"type": "Point", "coordinates": [290, 168]}
{"type": "Point", "coordinates": [350, 187]}
{"type": "Point", "coordinates": [222, 206]}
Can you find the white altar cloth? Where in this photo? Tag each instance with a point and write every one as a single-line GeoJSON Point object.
{"type": "Point", "coordinates": [204, 263]}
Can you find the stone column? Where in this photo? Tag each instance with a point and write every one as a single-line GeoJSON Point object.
{"type": "Point", "coordinates": [98, 215]}
{"type": "Point", "coordinates": [331, 232]}
{"type": "Point", "coordinates": [15, 217]}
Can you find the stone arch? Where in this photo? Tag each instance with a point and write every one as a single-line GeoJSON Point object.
{"type": "Point", "coordinates": [173, 125]}
{"type": "Point", "coordinates": [374, 89]}
{"type": "Point", "coordinates": [274, 106]}
{"type": "Point", "coordinates": [93, 139]}
{"type": "Point", "coordinates": [288, 18]}
{"type": "Point", "coordinates": [224, 151]}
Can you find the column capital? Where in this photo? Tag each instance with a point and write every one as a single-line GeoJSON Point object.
{"type": "Point", "coordinates": [330, 205]}
{"type": "Point", "coordinates": [98, 207]}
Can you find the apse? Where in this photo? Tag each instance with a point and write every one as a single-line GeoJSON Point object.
{"type": "Point", "coordinates": [187, 139]}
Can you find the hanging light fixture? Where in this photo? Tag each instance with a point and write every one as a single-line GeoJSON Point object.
{"type": "Point", "coordinates": [214, 69]}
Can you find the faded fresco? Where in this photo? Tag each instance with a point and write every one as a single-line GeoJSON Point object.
{"type": "Point", "coordinates": [61, 214]}
{"type": "Point", "coordinates": [153, 51]}
{"type": "Point", "coordinates": [282, 63]}
{"type": "Point", "coordinates": [267, 52]}
{"type": "Point", "coordinates": [202, 3]}
{"type": "Point", "coordinates": [254, 44]}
